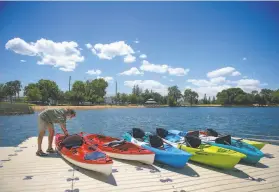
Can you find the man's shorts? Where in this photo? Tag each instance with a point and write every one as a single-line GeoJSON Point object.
{"type": "Point", "coordinates": [43, 125]}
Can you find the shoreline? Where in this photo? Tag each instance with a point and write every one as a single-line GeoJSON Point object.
{"type": "Point", "coordinates": [41, 108]}
{"type": "Point", "coordinates": [94, 107]}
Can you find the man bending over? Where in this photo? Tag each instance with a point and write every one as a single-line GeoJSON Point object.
{"type": "Point", "coordinates": [46, 119]}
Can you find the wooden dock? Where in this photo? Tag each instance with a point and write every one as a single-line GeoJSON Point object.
{"type": "Point", "coordinates": [22, 170]}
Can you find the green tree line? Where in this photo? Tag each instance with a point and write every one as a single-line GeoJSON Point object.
{"type": "Point", "coordinates": [94, 91]}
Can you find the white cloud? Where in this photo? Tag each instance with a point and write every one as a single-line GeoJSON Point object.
{"type": "Point", "coordinates": [88, 45]}
{"type": "Point", "coordinates": [129, 59]}
{"type": "Point", "coordinates": [244, 58]}
{"type": "Point", "coordinates": [108, 79]}
{"type": "Point", "coordinates": [112, 50]}
{"type": "Point", "coordinates": [143, 56]}
{"type": "Point", "coordinates": [164, 77]}
{"type": "Point", "coordinates": [22, 61]}
{"type": "Point", "coordinates": [148, 84]}
{"type": "Point", "coordinates": [245, 77]}
{"type": "Point", "coordinates": [236, 73]}
{"type": "Point", "coordinates": [221, 72]}
{"type": "Point", "coordinates": [218, 80]}
{"type": "Point", "coordinates": [171, 80]}
{"type": "Point", "coordinates": [209, 90]}
{"type": "Point", "coordinates": [94, 72]}
{"type": "Point", "coordinates": [248, 85]}
{"type": "Point", "coordinates": [212, 87]}
{"type": "Point", "coordinates": [248, 82]}
{"type": "Point", "coordinates": [158, 68]}
{"type": "Point", "coordinates": [178, 71]}
{"type": "Point", "coordinates": [63, 55]}
{"type": "Point", "coordinates": [132, 71]}
{"type": "Point", "coordinates": [200, 82]}
{"type": "Point", "coordinates": [136, 41]}
{"type": "Point", "coordinates": [146, 66]}
{"type": "Point", "coordinates": [205, 83]}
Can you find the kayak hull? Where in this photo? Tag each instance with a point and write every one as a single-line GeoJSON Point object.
{"type": "Point", "coordinates": [213, 156]}
{"type": "Point", "coordinates": [84, 156]}
{"type": "Point", "coordinates": [253, 155]}
{"type": "Point", "coordinates": [170, 155]}
{"type": "Point", "coordinates": [206, 154]}
{"type": "Point", "coordinates": [146, 159]}
{"type": "Point", "coordinates": [125, 151]}
{"type": "Point", "coordinates": [258, 145]}
{"type": "Point", "coordinates": [105, 169]}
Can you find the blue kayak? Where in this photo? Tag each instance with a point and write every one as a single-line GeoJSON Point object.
{"type": "Point", "coordinates": [164, 153]}
{"type": "Point", "coordinates": [253, 155]}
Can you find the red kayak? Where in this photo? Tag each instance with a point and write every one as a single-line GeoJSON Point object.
{"type": "Point", "coordinates": [78, 152]}
{"type": "Point", "coordinates": [120, 149]}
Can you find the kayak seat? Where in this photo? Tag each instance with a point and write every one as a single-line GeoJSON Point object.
{"type": "Point", "coordinates": [211, 132]}
{"type": "Point", "coordinates": [72, 141]}
{"type": "Point", "coordinates": [193, 133]}
{"type": "Point", "coordinates": [226, 140]}
{"type": "Point", "coordinates": [115, 143]}
{"type": "Point", "coordinates": [192, 141]}
{"type": "Point", "coordinates": [138, 134]}
{"type": "Point", "coordinates": [155, 141]}
{"type": "Point", "coordinates": [162, 132]}
{"type": "Point", "coordinates": [94, 155]}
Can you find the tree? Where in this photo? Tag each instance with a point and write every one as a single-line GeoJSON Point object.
{"type": "Point", "coordinates": [213, 100]}
{"type": "Point", "coordinates": [124, 98]}
{"type": "Point", "coordinates": [133, 98]}
{"type": "Point", "coordinates": [3, 92]}
{"type": "Point", "coordinates": [49, 90]}
{"type": "Point", "coordinates": [227, 96]}
{"type": "Point", "coordinates": [18, 87]}
{"type": "Point", "coordinates": [78, 92]}
{"type": "Point", "coordinates": [28, 87]}
{"type": "Point", "coordinates": [275, 97]}
{"type": "Point", "coordinates": [34, 94]}
{"type": "Point", "coordinates": [174, 93]}
{"type": "Point", "coordinates": [205, 99]}
{"type": "Point", "coordinates": [171, 101]}
{"type": "Point", "coordinates": [267, 95]}
{"type": "Point", "coordinates": [190, 96]}
{"type": "Point", "coordinates": [10, 90]}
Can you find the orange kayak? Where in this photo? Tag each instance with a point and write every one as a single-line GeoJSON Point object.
{"type": "Point", "coordinates": [120, 149]}
{"type": "Point", "coordinates": [77, 151]}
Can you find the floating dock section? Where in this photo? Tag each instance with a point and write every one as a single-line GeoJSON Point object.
{"type": "Point", "coordinates": [22, 170]}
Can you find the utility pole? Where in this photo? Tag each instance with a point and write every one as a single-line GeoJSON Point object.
{"type": "Point", "coordinates": [115, 88]}
{"type": "Point", "coordinates": [116, 91]}
{"type": "Point", "coordinates": [70, 83]}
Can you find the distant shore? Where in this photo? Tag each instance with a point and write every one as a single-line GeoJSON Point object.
{"type": "Point", "coordinates": [41, 108]}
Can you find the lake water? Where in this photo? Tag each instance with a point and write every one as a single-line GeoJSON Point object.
{"type": "Point", "coordinates": [114, 122]}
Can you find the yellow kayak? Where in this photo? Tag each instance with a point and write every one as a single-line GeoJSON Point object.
{"type": "Point", "coordinates": [213, 156]}
{"type": "Point", "coordinates": [256, 144]}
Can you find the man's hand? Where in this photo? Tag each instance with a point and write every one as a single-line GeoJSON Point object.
{"type": "Point", "coordinates": [63, 127]}
{"type": "Point", "coordinates": [66, 133]}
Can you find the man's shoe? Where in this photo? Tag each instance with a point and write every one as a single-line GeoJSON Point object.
{"type": "Point", "coordinates": [50, 150]}
{"type": "Point", "coordinates": [41, 153]}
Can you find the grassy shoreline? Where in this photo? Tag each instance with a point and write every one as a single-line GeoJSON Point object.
{"type": "Point", "coordinates": [24, 108]}
{"type": "Point", "coordinates": [41, 108]}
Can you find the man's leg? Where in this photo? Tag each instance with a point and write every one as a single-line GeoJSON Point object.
{"type": "Point", "coordinates": [50, 137]}
{"type": "Point", "coordinates": [40, 139]}
{"type": "Point", "coordinates": [41, 125]}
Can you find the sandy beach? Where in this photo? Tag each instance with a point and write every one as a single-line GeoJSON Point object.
{"type": "Point", "coordinates": [41, 108]}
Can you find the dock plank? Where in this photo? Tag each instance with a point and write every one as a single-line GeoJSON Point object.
{"type": "Point", "coordinates": [24, 171]}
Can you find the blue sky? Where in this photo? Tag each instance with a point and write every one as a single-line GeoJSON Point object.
{"type": "Point", "coordinates": [206, 46]}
